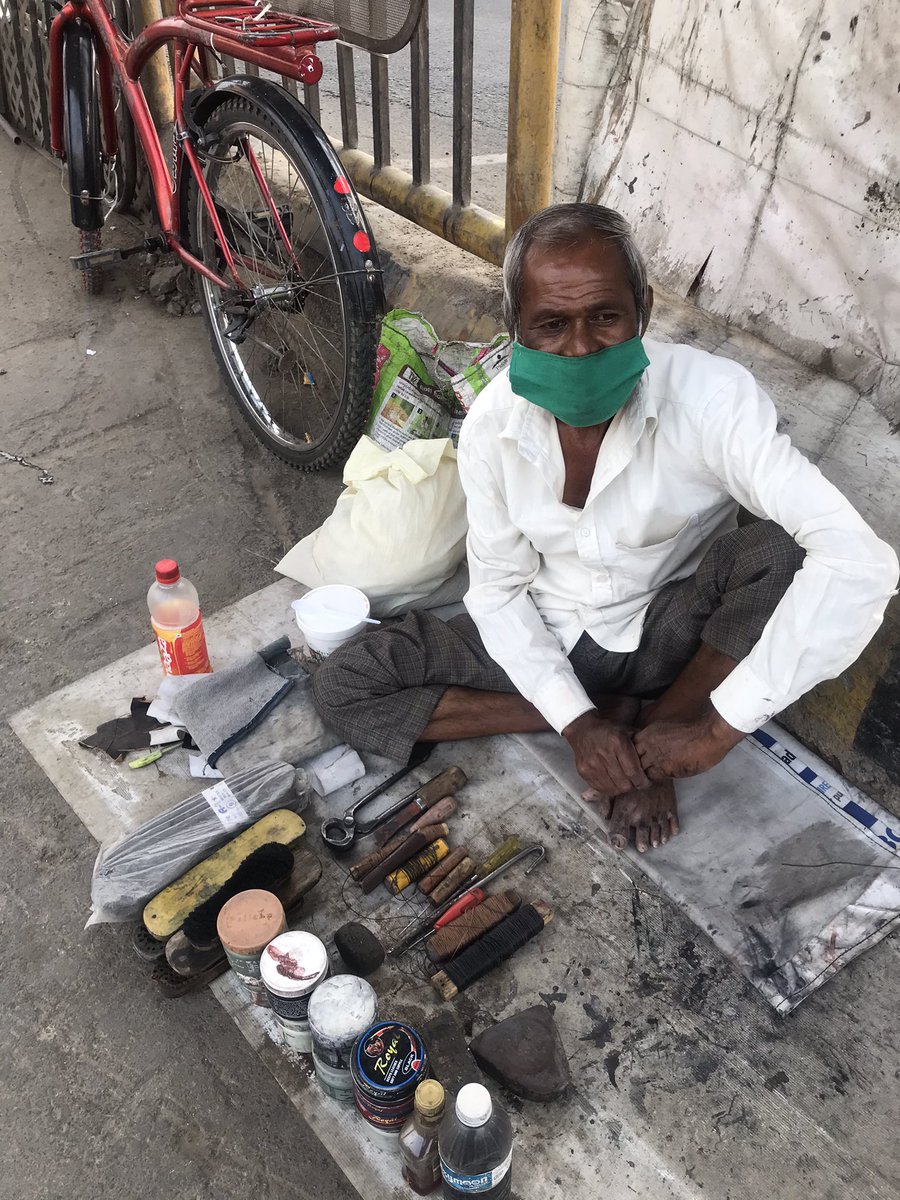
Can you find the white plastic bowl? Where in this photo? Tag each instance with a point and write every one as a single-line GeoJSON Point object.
{"type": "Point", "coordinates": [343, 614]}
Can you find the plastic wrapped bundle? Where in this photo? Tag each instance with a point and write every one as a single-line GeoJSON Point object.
{"type": "Point", "coordinates": [138, 866]}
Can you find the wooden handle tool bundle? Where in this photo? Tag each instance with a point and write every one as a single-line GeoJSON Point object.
{"type": "Point", "coordinates": [494, 948]}
{"type": "Point", "coordinates": [406, 875]}
{"type": "Point", "coordinates": [453, 938]}
{"type": "Point", "coordinates": [447, 783]}
{"type": "Point", "coordinates": [406, 849]}
{"type": "Point", "coordinates": [442, 870]}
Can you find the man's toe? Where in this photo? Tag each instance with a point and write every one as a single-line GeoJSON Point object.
{"type": "Point", "coordinates": [673, 825]}
{"type": "Point", "coordinates": [618, 827]}
{"type": "Point", "coordinates": [642, 839]}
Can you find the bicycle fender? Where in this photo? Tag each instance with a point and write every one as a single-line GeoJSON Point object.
{"type": "Point", "coordinates": [329, 171]}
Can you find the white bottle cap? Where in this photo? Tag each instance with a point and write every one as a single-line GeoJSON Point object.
{"type": "Point", "coordinates": [473, 1105]}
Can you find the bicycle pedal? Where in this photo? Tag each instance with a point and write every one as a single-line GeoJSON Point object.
{"type": "Point", "coordinates": [114, 254]}
{"type": "Point", "coordinates": [95, 258]}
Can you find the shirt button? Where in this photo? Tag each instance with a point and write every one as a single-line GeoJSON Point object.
{"type": "Point", "coordinates": [583, 532]}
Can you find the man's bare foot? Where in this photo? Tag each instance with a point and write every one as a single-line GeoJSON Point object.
{"type": "Point", "coordinates": [651, 812]}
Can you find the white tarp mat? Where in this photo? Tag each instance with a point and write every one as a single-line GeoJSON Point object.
{"type": "Point", "coordinates": [789, 870]}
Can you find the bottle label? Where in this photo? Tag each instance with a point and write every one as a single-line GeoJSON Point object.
{"type": "Point", "coordinates": [183, 651]}
{"type": "Point", "coordinates": [472, 1184]}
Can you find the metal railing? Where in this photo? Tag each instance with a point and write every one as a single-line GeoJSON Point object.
{"type": "Point", "coordinates": [395, 29]}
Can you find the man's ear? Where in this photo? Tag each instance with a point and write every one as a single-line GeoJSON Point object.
{"type": "Point", "coordinates": [649, 309]}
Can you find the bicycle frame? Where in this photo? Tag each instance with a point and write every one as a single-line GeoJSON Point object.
{"type": "Point", "coordinates": [284, 46]}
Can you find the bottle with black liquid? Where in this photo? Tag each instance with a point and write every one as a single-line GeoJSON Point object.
{"type": "Point", "coordinates": [475, 1143]}
{"type": "Point", "coordinates": [419, 1139]}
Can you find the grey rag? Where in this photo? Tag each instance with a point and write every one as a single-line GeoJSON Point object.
{"type": "Point", "coordinates": [221, 709]}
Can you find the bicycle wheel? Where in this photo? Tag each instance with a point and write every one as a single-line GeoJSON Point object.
{"type": "Point", "coordinates": [125, 168]}
{"type": "Point", "coordinates": [84, 152]}
{"type": "Point", "coordinates": [298, 347]}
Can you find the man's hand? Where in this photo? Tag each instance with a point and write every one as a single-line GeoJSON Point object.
{"type": "Point", "coordinates": [676, 749]}
{"type": "Point", "coordinates": [605, 754]}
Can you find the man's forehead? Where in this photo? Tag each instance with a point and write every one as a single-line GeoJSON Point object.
{"type": "Point", "coordinates": [594, 265]}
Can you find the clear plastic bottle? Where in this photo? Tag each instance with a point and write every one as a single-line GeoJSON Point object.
{"type": "Point", "coordinates": [475, 1143]}
{"type": "Point", "coordinates": [175, 616]}
{"type": "Point", "coordinates": [419, 1139]}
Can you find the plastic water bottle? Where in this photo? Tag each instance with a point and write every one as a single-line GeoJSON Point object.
{"type": "Point", "coordinates": [175, 616]}
{"type": "Point", "coordinates": [475, 1143]}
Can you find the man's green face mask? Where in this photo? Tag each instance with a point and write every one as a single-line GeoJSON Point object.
{"type": "Point", "coordinates": [582, 391]}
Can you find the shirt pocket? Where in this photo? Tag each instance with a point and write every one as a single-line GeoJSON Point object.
{"type": "Point", "coordinates": [641, 569]}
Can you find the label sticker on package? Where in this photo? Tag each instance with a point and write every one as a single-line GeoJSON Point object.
{"type": "Point", "coordinates": [225, 804]}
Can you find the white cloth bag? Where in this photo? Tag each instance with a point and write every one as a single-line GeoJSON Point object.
{"type": "Point", "coordinates": [398, 530]}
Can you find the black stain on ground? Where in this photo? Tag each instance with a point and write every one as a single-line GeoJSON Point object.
{"type": "Point", "coordinates": [704, 1068]}
{"type": "Point", "coordinates": [601, 1025]}
{"type": "Point", "coordinates": [688, 952]}
{"type": "Point", "coordinates": [647, 986]}
{"type": "Point", "coordinates": [551, 999]}
{"type": "Point", "coordinates": [611, 1062]}
{"type": "Point", "coordinates": [779, 1079]}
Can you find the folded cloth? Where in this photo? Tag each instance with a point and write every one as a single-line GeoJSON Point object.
{"type": "Point", "coordinates": [221, 709]}
{"type": "Point", "coordinates": [291, 732]}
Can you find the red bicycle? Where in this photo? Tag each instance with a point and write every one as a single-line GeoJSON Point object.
{"type": "Point", "coordinates": [256, 203]}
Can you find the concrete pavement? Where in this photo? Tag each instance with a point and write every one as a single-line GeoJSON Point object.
{"type": "Point", "coordinates": [106, 1089]}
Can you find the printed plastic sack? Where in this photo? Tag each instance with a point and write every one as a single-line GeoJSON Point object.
{"type": "Point", "coordinates": [129, 873]}
{"type": "Point", "coordinates": [423, 386]}
{"type": "Point", "coordinates": [398, 530]}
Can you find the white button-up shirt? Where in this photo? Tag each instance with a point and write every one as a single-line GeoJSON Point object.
{"type": "Point", "coordinates": [697, 437]}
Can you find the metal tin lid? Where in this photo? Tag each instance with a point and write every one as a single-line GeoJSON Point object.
{"type": "Point", "coordinates": [293, 963]}
{"type": "Point", "coordinates": [340, 1009]}
{"type": "Point", "coordinates": [248, 921]}
{"type": "Point", "coordinates": [389, 1060]}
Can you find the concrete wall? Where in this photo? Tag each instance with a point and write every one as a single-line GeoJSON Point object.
{"type": "Point", "coordinates": [755, 147]}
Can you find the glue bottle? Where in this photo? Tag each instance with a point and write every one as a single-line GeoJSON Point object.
{"type": "Point", "coordinates": [175, 616]}
{"type": "Point", "coordinates": [419, 1139]}
{"type": "Point", "coordinates": [475, 1143]}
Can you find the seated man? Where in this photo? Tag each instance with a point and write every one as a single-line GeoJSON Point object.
{"type": "Point", "coordinates": [603, 476]}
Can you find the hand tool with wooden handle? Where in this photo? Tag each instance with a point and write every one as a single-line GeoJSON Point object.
{"type": "Point", "coordinates": [504, 852]}
{"type": "Point", "coordinates": [407, 875]}
{"type": "Point", "coordinates": [454, 937]}
{"type": "Point", "coordinates": [405, 851]}
{"type": "Point", "coordinates": [447, 783]}
{"type": "Point", "coordinates": [458, 877]}
{"type": "Point", "coordinates": [415, 936]}
{"type": "Point", "coordinates": [442, 870]}
{"type": "Point", "coordinates": [434, 816]}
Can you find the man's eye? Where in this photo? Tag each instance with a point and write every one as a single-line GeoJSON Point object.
{"type": "Point", "coordinates": [606, 318]}
{"type": "Point", "coordinates": [554, 324]}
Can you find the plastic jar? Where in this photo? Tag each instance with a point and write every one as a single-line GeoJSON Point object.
{"type": "Point", "coordinates": [292, 966]}
{"type": "Point", "coordinates": [340, 1010]}
{"type": "Point", "coordinates": [388, 1064]}
{"type": "Point", "coordinates": [246, 925]}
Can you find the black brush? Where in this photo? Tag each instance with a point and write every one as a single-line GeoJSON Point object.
{"type": "Point", "coordinates": [265, 868]}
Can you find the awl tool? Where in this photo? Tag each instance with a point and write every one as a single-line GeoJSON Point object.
{"type": "Point", "coordinates": [477, 885]}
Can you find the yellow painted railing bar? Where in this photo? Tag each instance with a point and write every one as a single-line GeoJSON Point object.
{"type": "Point", "coordinates": [471, 228]}
{"type": "Point", "coordinates": [533, 69]}
{"type": "Point", "coordinates": [157, 75]}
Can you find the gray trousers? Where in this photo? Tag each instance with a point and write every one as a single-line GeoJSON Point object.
{"type": "Point", "coordinates": [378, 691]}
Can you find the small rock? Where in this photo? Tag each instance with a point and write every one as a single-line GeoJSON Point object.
{"type": "Point", "coordinates": [525, 1054]}
{"type": "Point", "coordinates": [174, 308]}
{"type": "Point", "coordinates": [196, 308]}
{"type": "Point", "coordinates": [164, 280]}
{"type": "Point", "coordinates": [185, 283]}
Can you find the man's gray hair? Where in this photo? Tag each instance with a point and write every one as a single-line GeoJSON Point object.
{"type": "Point", "coordinates": [567, 225]}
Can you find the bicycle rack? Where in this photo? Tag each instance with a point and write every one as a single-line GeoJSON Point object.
{"type": "Point", "coordinates": [255, 24]}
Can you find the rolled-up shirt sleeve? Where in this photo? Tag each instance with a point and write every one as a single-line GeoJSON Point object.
{"type": "Point", "coordinates": [502, 565]}
{"type": "Point", "coordinates": [837, 599]}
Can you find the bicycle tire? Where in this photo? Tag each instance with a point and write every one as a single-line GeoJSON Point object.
{"type": "Point", "coordinates": [84, 152]}
{"type": "Point", "coordinates": [346, 405]}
